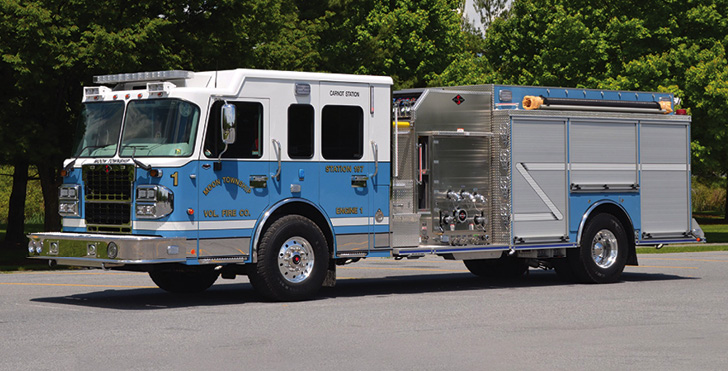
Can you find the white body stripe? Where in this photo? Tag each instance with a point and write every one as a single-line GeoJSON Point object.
{"type": "Point", "coordinates": [604, 167]}
{"type": "Point", "coordinates": [165, 226]}
{"type": "Point", "coordinates": [666, 167]}
{"type": "Point", "coordinates": [227, 224]}
{"type": "Point", "coordinates": [349, 222]}
{"type": "Point", "coordinates": [74, 223]}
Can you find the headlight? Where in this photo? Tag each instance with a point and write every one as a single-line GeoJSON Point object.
{"type": "Point", "coordinates": [68, 199]}
{"type": "Point", "coordinates": [153, 201]}
{"type": "Point", "coordinates": [112, 250]}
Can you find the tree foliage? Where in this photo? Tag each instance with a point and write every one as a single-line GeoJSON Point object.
{"type": "Point", "coordinates": [51, 48]}
{"type": "Point", "coordinates": [677, 46]}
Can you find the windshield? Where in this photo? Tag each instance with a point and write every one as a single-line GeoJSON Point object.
{"type": "Point", "coordinates": [98, 129]}
{"type": "Point", "coordinates": [160, 127]}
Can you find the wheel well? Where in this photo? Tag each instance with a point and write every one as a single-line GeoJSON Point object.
{"type": "Point", "coordinates": [305, 210]}
{"type": "Point", "coordinates": [621, 215]}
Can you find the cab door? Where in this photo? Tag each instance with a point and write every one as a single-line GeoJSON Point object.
{"type": "Point", "coordinates": [233, 192]}
{"type": "Point", "coordinates": [346, 165]}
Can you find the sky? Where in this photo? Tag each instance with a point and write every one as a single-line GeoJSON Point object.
{"type": "Point", "coordinates": [473, 14]}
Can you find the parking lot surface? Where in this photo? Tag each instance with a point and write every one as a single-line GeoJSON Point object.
{"type": "Point", "coordinates": [670, 313]}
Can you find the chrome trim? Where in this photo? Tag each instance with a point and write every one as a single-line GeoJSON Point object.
{"type": "Point", "coordinates": [264, 220]}
{"type": "Point", "coordinates": [604, 249]}
{"type": "Point", "coordinates": [104, 263]}
{"type": "Point", "coordinates": [296, 259]}
{"type": "Point", "coordinates": [539, 192]}
{"type": "Point", "coordinates": [588, 212]}
{"type": "Point", "coordinates": [131, 249]}
{"type": "Point", "coordinates": [352, 243]}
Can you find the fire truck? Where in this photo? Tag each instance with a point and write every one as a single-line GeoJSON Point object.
{"type": "Point", "coordinates": [283, 176]}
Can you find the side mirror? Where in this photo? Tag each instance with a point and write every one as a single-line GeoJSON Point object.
{"type": "Point", "coordinates": [227, 123]}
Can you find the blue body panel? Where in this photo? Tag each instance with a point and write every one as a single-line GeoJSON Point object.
{"type": "Point", "coordinates": [580, 204]}
{"type": "Point", "coordinates": [225, 205]}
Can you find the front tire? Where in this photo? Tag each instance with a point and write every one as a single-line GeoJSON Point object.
{"type": "Point", "coordinates": [293, 258]}
{"type": "Point", "coordinates": [184, 281]}
{"type": "Point", "coordinates": [602, 253]}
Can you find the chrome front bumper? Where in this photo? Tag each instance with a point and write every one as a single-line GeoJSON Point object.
{"type": "Point", "coordinates": [92, 250]}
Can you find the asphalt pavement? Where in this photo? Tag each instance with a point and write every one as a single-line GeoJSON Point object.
{"type": "Point", "coordinates": [670, 313]}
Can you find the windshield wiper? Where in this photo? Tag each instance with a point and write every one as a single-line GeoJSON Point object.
{"type": "Point", "coordinates": [68, 167]}
{"type": "Point", "coordinates": [137, 162]}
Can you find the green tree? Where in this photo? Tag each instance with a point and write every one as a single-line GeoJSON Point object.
{"type": "Point", "coordinates": [412, 41]}
{"type": "Point", "coordinates": [490, 10]}
{"type": "Point", "coordinates": [677, 46]}
{"type": "Point", "coordinates": [50, 49]}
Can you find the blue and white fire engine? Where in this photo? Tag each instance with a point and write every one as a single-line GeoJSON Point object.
{"type": "Point", "coordinates": [282, 176]}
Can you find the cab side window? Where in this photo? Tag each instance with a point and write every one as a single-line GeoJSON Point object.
{"type": "Point", "coordinates": [249, 132]}
{"type": "Point", "coordinates": [300, 131]}
{"type": "Point", "coordinates": [342, 132]}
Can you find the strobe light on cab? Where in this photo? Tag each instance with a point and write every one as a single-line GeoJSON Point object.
{"type": "Point", "coordinates": [159, 89]}
{"type": "Point", "coordinates": [92, 93]}
{"type": "Point", "coordinates": [153, 201]}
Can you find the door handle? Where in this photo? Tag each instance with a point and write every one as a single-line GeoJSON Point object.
{"type": "Point", "coordinates": [359, 181]}
{"type": "Point", "coordinates": [375, 149]}
{"type": "Point", "coordinates": [278, 157]}
{"type": "Point", "coordinates": [259, 181]}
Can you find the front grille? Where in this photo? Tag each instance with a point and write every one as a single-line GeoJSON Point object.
{"type": "Point", "coordinates": [108, 196]}
{"type": "Point", "coordinates": [108, 214]}
{"type": "Point", "coordinates": [108, 182]}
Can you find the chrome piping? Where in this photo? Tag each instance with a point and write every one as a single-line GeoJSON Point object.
{"type": "Point", "coordinates": [264, 220]}
{"type": "Point", "coordinates": [591, 209]}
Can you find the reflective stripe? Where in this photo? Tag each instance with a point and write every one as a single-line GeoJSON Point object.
{"type": "Point", "coordinates": [665, 167]}
{"type": "Point", "coordinates": [227, 224]}
{"type": "Point", "coordinates": [532, 217]}
{"type": "Point", "coordinates": [165, 226]}
{"type": "Point", "coordinates": [604, 167]}
{"type": "Point", "coordinates": [74, 223]}
{"type": "Point", "coordinates": [341, 222]}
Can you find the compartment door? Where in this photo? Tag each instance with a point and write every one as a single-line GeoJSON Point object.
{"type": "Point", "coordinates": [665, 174]}
{"type": "Point", "coordinates": [538, 169]}
{"type": "Point", "coordinates": [347, 162]}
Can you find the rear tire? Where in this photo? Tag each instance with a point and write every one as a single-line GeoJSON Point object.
{"type": "Point", "coordinates": [602, 253]}
{"type": "Point", "coordinates": [293, 258]}
{"type": "Point", "coordinates": [503, 267]}
{"type": "Point", "coordinates": [184, 281]}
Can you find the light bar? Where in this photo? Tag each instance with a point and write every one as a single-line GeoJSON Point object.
{"type": "Point", "coordinates": [143, 76]}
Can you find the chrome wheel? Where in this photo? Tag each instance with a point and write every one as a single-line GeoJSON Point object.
{"type": "Point", "coordinates": [296, 259]}
{"type": "Point", "coordinates": [604, 248]}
